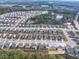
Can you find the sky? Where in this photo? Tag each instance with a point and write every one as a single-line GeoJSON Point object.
{"type": "Point", "coordinates": [36, 0]}
{"type": "Point", "coordinates": [42, 0]}
{"type": "Point", "coordinates": [70, 0]}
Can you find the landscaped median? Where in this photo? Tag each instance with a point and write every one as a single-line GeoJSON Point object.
{"type": "Point", "coordinates": [20, 54]}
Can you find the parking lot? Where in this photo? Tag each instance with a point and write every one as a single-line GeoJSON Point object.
{"type": "Point", "coordinates": [74, 36]}
{"type": "Point", "coordinates": [12, 19]}
{"type": "Point", "coordinates": [17, 32]}
{"type": "Point", "coordinates": [40, 36]}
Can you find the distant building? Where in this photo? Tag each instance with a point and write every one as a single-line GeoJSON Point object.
{"type": "Point", "coordinates": [44, 6]}
{"type": "Point", "coordinates": [59, 17]}
{"type": "Point", "coordinates": [7, 5]}
{"type": "Point", "coordinates": [53, 13]}
{"type": "Point", "coordinates": [76, 21]}
{"type": "Point", "coordinates": [77, 17]}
